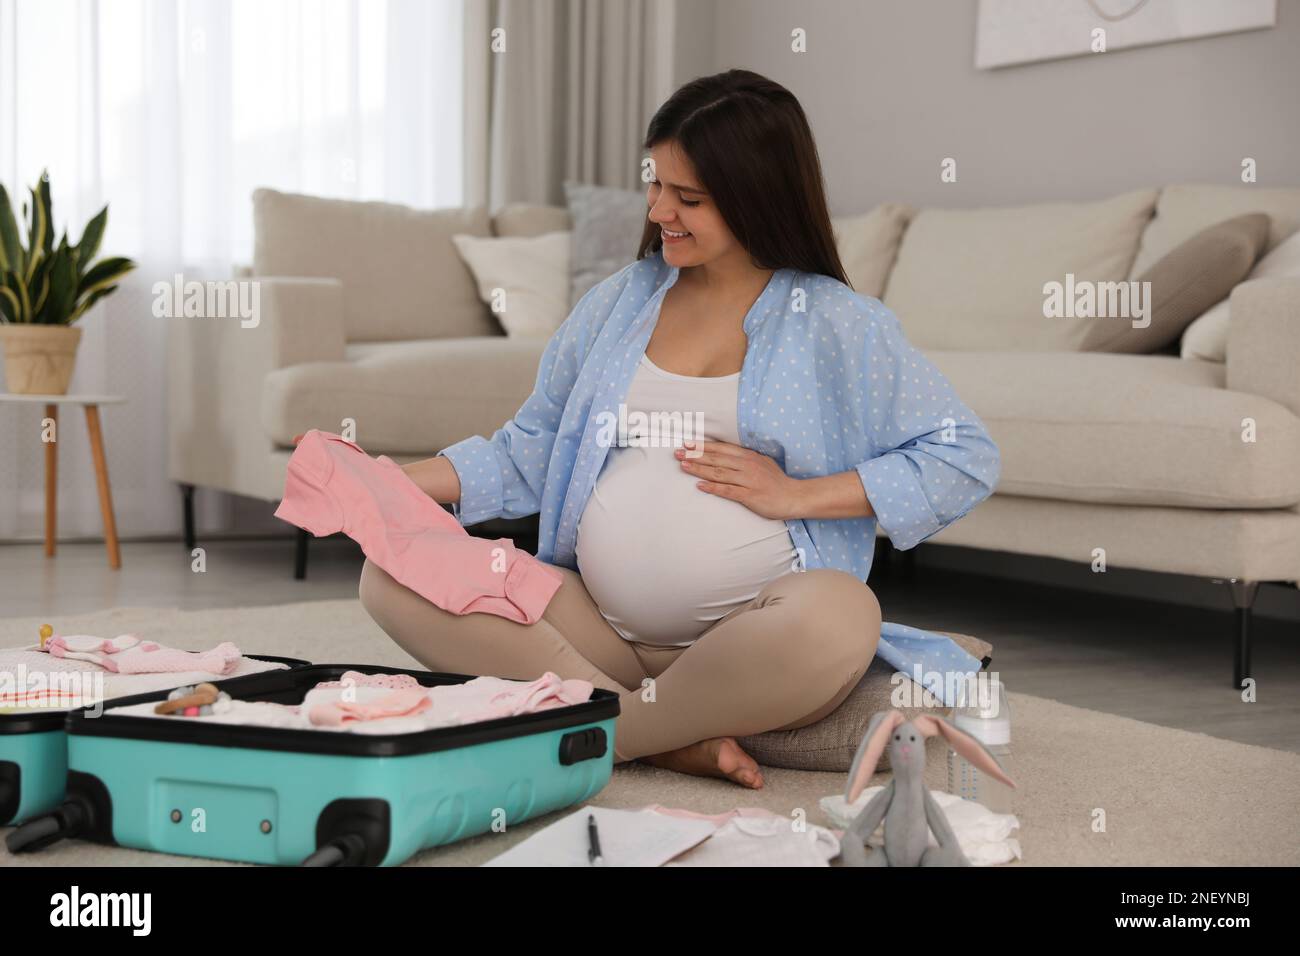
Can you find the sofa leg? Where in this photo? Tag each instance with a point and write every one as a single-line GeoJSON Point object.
{"type": "Point", "coordinates": [187, 504]}
{"type": "Point", "coordinates": [300, 555]}
{"type": "Point", "coordinates": [1243, 600]}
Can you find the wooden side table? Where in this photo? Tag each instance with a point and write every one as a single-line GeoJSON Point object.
{"type": "Point", "coordinates": [91, 404]}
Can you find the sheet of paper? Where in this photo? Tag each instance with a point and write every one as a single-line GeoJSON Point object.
{"type": "Point", "coordinates": [627, 838]}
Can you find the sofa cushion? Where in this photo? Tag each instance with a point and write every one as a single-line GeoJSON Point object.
{"type": "Point", "coordinates": [1128, 429]}
{"type": "Point", "coordinates": [974, 278]}
{"type": "Point", "coordinates": [406, 397]}
{"type": "Point", "coordinates": [1183, 211]}
{"type": "Point", "coordinates": [1207, 337]}
{"type": "Point", "coordinates": [607, 227]}
{"type": "Point", "coordinates": [1084, 427]}
{"type": "Point", "coordinates": [832, 742]}
{"type": "Point", "coordinates": [1264, 340]}
{"type": "Point", "coordinates": [402, 278]}
{"type": "Point", "coordinates": [868, 245]}
{"type": "Point", "coordinates": [523, 279]}
{"type": "Point", "coordinates": [1183, 285]}
{"type": "Point", "coordinates": [524, 219]}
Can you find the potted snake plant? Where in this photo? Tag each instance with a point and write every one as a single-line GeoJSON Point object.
{"type": "Point", "coordinates": [46, 287]}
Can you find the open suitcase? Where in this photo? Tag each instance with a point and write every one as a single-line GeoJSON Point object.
{"type": "Point", "coordinates": [34, 757]}
{"type": "Point", "coordinates": [319, 798]}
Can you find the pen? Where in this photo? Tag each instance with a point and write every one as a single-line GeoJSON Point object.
{"type": "Point", "coordinates": [593, 842]}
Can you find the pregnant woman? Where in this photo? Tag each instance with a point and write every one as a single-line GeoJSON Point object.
{"type": "Point", "coordinates": [715, 432]}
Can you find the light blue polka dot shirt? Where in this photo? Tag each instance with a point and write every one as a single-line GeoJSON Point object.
{"type": "Point", "coordinates": [829, 384]}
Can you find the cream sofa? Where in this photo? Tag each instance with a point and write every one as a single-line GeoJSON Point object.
{"type": "Point", "coordinates": [368, 314]}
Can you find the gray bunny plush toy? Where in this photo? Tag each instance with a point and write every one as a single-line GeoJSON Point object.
{"type": "Point", "coordinates": [905, 804]}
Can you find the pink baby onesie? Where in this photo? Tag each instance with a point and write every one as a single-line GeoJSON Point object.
{"type": "Point", "coordinates": [378, 705]}
{"type": "Point", "coordinates": [332, 485]}
{"type": "Point", "coordinates": [488, 698]}
{"type": "Point", "coordinates": [363, 698]}
{"type": "Point", "coordinates": [127, 654]}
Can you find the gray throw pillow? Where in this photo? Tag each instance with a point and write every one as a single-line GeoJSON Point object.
{"type": "Point", "coordinates": [607, 226]}
{"type": "Point", "coordinates": [1186, 283]}
{"type": "Point", "coordinates": [831, 743]}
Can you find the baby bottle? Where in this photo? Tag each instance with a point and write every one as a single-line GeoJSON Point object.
{"type": "Point", "coordinates": [983, 712]}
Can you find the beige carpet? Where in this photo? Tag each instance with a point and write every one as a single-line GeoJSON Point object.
{"type": "Point", "coordinates": [1169, 797]}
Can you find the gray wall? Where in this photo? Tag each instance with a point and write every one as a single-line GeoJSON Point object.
{"type": "Point", "coordinates": [890, 88]}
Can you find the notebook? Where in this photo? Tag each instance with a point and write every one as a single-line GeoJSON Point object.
{"type": "Point", "coordinates": [627, 838]}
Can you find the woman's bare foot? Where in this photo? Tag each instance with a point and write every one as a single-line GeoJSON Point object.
{"type": "Point", "coordinates": [716, 757]}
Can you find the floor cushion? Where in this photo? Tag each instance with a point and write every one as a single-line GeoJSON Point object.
{"type": "Point", "coordinates": [831, 743]}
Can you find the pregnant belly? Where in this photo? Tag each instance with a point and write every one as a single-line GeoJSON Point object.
{"type": "Point", "coordinates": [662, 559]}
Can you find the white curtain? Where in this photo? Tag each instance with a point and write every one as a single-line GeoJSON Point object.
{"type": "Point", "coordinates": [172, 112]}
{"type": "Point", "coordinates": [573, 92]}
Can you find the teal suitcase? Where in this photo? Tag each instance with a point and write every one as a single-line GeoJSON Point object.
{"type": "Point", "coordinates": [34, 758]}
{"type": "Point", "coordinates": [318, 798]}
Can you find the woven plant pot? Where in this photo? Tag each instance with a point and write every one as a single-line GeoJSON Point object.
{"type": "Point", "coordinates": [39, 358]}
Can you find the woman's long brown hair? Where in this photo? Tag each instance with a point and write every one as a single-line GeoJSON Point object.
{"type": "Point", "coordinates": [754, 153]}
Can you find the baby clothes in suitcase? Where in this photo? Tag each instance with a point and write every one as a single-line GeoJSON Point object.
{"type": "Point", "coordinates": [33, 744]}
{"type": "Point", "coordinates": [287, 795]}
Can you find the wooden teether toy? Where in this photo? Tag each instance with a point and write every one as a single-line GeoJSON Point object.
{"type": "Point", "coordinates": [189, 700]}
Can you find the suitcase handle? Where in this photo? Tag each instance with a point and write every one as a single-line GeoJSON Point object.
{"type": "Point", "coordinates": [349, 849]}
{"type": "Point", "coordinates": [586, 744]}
{"type": "Point", "coordinates": [10, 795]}
{"type": "Point", "coordinates": [39, 832]}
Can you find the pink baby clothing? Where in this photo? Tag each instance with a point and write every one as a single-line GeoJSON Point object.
{"type": "Point", "coordinates": [332, 485]}
{"type": "Point", "coordinates": [382, 697]}
{"type": "Point", "coordinates": [85, 647]}
{"type": "Point", "coordinates": [358, 679]}
{"type": "Point", "coordinates": [31, 677]}
{"type": "Point", "coordinates": [127, 654]}
{"type": "Point", "coordinates": [488, 698]}
{"type": "Point", "coordinates": [382, 705]}
{"type": "Point", "coordinates": [378, 704]}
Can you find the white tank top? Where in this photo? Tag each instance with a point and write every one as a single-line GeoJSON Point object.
{"type": "Point", "coordinates": [661, 558]}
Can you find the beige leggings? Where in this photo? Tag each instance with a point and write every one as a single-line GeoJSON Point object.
{"type": "Point", "coordinates": [783, 660]}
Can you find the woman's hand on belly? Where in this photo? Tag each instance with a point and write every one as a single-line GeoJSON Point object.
{"type": "Point", "coordinates": [741, 474]}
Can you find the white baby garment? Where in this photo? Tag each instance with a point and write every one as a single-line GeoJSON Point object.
{"type": "Point", "coordinates": [984, 836]}
{"type": "Point", "coordinates": [763, 841]}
